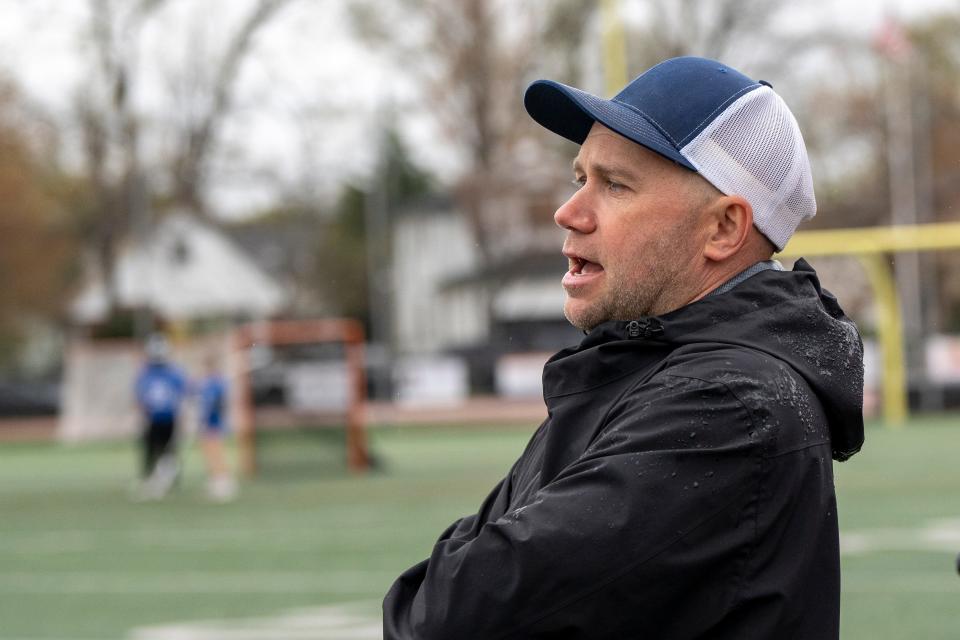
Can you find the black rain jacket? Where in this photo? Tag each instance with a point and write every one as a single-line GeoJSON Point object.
{"type": "Point", "coordinates": [680, 487]}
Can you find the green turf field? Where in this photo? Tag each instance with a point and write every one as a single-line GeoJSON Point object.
{"type": "Point", "coordinates": [308, 552]}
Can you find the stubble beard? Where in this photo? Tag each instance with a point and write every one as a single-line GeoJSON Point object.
{"type": "Point", "coordinates": [653, 283]}
{"type": "Point", "coordinates": [623, 300]}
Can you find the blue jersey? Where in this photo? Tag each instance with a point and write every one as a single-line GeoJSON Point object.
{"type": "Point", "coordinates": [160, 389]}
{"type": "Point", "coordinates": [213, 402]}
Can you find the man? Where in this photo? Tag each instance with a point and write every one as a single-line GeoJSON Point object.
{"type": "Point", "coordinates": [681, 485]}
{"type": "Point", "coordinates": [159, 389]}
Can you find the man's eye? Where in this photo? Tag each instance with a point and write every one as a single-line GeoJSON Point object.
{"type": "Point", "coordinates": [578, 183]}
{"type": "Point", "coordinates": [615, 187]}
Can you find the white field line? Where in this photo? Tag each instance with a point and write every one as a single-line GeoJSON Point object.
{"type": "Point", "coordinates": [335, 622]}
{"type": "Point", "coordinates": [941, 535]}
{"type": "Point", "coordinates": [186, 582]}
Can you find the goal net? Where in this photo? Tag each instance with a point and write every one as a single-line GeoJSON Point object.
{"type": "Point", "coordinates": [96, 400]}
{"type": "Point", "coordinates": [301, 392]}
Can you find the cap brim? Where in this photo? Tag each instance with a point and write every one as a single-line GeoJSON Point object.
{"type": "Point", "coordinates": [570, 113]}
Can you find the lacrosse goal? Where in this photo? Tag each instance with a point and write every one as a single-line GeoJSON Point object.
{"type": "Point", "coordinates": [307, 373]}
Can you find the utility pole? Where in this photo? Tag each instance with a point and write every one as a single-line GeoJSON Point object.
{"type": "Point", "coordinates": [932, 394]}
{"type": "Point", "coordinates": [377, 239]}
{"type": "Point", "coordinates": [894, 47]}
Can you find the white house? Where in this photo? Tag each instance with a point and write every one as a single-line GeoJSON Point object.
{"type": "Point", "coordinates": [500, 318]}
{"type": "Point", "coordinates": [183, 269]}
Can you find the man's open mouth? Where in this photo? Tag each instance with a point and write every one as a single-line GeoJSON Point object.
{"type": "Point", "coordinates": [581, 266]}
{"type": "Point", "coordinates": [580, 271]}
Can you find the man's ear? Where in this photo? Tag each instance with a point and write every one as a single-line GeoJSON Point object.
{"type": "Point", "coordinates": [730, 220]}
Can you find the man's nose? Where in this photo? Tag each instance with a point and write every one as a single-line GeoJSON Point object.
{"type": "Point", "coordinates": [576, 214]}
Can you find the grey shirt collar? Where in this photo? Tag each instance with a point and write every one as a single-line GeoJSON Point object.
{"type": "Point", "coordinates": [749, 272]}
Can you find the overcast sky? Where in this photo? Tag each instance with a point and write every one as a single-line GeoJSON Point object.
{"type": "Point", "coordinates": [308, 93]}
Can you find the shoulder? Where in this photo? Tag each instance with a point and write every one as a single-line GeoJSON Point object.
{"type": "Point", "coordinates": [735, 367]}
{"type": "Point", "coordinates": [780, 404]}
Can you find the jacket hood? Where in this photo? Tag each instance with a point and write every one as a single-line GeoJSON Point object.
{"type": "Point", "coordinates": [786, 314]}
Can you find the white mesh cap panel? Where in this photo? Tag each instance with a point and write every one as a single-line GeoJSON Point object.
{"type": "Point", "coordinates": [754, 149]}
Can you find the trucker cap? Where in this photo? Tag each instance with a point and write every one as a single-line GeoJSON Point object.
{"type": "Point", "coordinates": [710, 118]}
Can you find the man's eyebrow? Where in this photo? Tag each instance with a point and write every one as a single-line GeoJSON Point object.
{"type": "Point", "coordinates": [606, 170]}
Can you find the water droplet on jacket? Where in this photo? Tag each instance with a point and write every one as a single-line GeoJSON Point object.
{"type": "Point", "coordinates": [696, 484]}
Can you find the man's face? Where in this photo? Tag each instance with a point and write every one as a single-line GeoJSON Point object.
{"type": "Point", "coordinates": [634, 238]}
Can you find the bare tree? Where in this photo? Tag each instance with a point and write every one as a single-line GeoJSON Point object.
{"type": "Point", "coordinates": [199, 134]}
{"type": "Point", "coordinates": [709, 29]}
{"type": "Point", "coordinates": [113, 125]}
{"type": "Point", "coordinates": [471, 60]}
{"type": "Point", "coordinates": [110, 126]}
{"type": "Point", "coordinates": [740, 32]}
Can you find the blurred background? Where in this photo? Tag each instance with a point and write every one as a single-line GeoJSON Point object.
{"type": "Point", "coordinates": [345, 203]}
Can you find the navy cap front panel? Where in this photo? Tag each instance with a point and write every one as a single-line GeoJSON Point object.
{"type": "Point", "coordinates": [571, 113]}
{"type": "Point", "coordinates": [682, 96]}
{"type": "Point", "coordinates": [559, 108]}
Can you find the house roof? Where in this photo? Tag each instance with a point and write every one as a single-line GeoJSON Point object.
{"type": "Point", "coordinates": [184, 269]}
